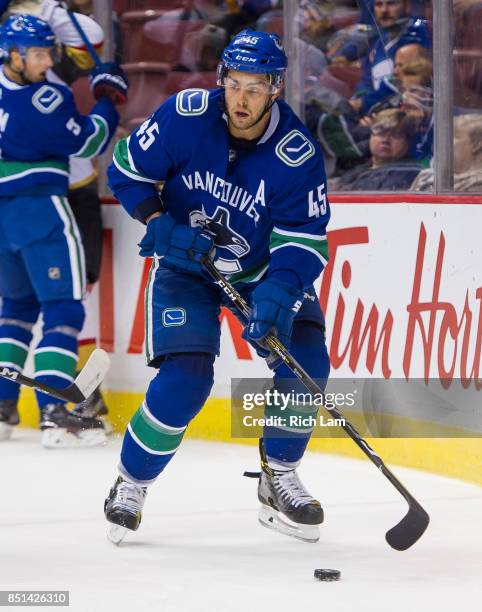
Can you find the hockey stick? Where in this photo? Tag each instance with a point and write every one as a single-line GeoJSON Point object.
{"type": "Point", "coordinates": [412, 526]}
{"type": "Point", "coordinates": [87, 381]}
{"type": "Point", "coordinates": [88, 45]}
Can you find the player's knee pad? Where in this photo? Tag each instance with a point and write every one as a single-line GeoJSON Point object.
{"type": "Point", "coordinates": [181, 387]}
{"type": "Point", "coordinates": [63, 313]}
{"type": "Point", "coordinates": [25, 310]}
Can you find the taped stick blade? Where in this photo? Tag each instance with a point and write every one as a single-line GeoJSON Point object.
{"type": "Point", "coordinates": [93, 373]}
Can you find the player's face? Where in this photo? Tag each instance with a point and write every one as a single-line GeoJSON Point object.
{"type": "Point", "coordinates": [387, 12]}
{"type": "Point", "coordinates": [37, 62]}
{"type": "Point", "coordinates": [247, 96]}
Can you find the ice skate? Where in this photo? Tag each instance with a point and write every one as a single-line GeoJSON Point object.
{"type": "Point", "coordinates": [94, 407]}
{"type": "Point", "coordinates": [286, 506]}
{"type": "Point", "coordinates": [8, 418]}
{"type": "Point", "coordinates": [123, 508]}
{"type": "Point", "coordinates": [64, 429]}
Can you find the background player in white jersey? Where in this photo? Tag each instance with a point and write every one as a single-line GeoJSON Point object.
{"type": "Point", "coordinates": [42, 266]}
{"type": "Point", "coordinates": [235, 160]}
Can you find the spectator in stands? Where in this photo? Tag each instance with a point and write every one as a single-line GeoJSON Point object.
{"type": "Point", "coordinates": [366, 22]}
{"type": "Point", "coordinates": [417, 103]}
{"type": "Point", "coordinates": [410, 54]}
{"type": "Point", "coordinates": [86, 7]}
{"type": "Point", "coordinates": [243, 13]}
{"type": "Point", "coordinates": [202, 49]}
{"type": "Point", "coordinates": [467, 157]}
{"type": "Point", "coordinates": [395, 30]}
{"type": "Point", "coordinates": [390, 167]}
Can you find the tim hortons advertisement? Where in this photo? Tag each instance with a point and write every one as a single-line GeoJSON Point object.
{"type": "Point", "coordinates": [402, 296]}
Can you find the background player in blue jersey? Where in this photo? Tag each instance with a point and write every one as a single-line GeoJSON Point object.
{"type": "Point", "coordinates": [235, 160]}
{"type": "Point", "coordinates": [42, 268]}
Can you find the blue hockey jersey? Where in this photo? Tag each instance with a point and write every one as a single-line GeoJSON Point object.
{"type": "Point", "coordinates": [377, 67]}
{"type": "Point", "coordinates": [268, 205]}
{"type": "Point", "coordinates": [40, 128]}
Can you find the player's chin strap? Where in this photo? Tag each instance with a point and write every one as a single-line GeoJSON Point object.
{"type": "Point", "coordinates": [267, 108]}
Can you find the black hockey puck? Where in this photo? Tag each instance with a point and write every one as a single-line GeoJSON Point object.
{"type": "Point", "coordinates": [327, 575]}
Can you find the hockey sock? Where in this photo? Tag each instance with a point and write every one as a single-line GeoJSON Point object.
{"type": "Point", "coordinates": [55, 360]}
{"type": "Point", "coordinates": [286, 445]}
{"type": "Point", "coordinates": [55, 357]}
{"type": "Point", "coordinates": [16, 323]}
{"type": "Point", "coordinates": [174, 397]}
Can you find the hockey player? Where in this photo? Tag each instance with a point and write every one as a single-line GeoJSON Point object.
{"type": "Point", "coordinates": [42, 268]}
{"type": "Point", "coordinates": [74, 61]}
{"type": "Point", "coordinates": [238, 161]}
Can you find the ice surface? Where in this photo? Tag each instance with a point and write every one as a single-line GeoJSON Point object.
{"type": "Point", "coordinates": [200, 548]}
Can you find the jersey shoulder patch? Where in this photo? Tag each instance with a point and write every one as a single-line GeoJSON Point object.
{"type": "Point", "coordinates": [47, 98]}
{"type": "Point", "coordinates": [294, 149]}
{"type": "Point", "coordinates": [192, 102]}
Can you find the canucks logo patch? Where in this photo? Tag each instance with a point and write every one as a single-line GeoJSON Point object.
{"type": "Point", "coordinates": [192, 101]}
{"type": "Point", "coordinates": [294, 149]}
{"type": "Point", "coordinates": [47, 99]}
{"type": "Point", "coordinates": [173, 317]}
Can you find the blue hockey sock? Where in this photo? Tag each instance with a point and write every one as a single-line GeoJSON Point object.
{"type": "Point", "coordinates": [283, 445]}
{"type": "Point", "coordinates": [174, 397]}
{"type": "Point", "coordinates": [17, 319]}
{"type": "Point", "coordinates": [55, 357]}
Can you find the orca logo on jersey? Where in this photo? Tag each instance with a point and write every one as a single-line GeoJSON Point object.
{"type": "Point", "coordinates": [192, 102]}
{"type": "Point", "coordinates": [294, 149]}
{"type": "Point", "coordinates": [47, 99]}
{"type": "Point", "coordinates": [224, 237]}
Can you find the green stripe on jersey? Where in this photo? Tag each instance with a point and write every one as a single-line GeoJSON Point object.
{"type": "Point", "coordinates": [125, 164]}
{"type": "Point", "coordinates": [247, 276]}
{"type": "Point", "coordinates": [12, 353]}
{"type": "Point", "coordinates": [157, 437]}
{"type": "Point", "coordinates": [96, 141]}
{"type": "Point", "coordinates": [292, 239]}
{"type": "Point", "coordinates": [52, 360]}
{"type": "Point", "coordinates": [15, 170]}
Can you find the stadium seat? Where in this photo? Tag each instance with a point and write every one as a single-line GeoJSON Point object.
{"type": "Point", "coordinates": [136, 47]}
{"type": "Point", "coordinates": [147, 81]}
{"type": "Point", "coordinates": [349, 75]}
{"type": "Point", "coordinates": [175, 81]}
{"type": "Point", "coordinates": [121, 6]}
{"type": "Point", "coordinates": [168, 32]}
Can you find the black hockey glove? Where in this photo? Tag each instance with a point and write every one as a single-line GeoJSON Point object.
{"type": "Point", "coordinates": [111, 81]}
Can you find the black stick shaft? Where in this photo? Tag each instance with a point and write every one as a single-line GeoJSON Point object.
{"type": "Point", "coordinates": [21, 379]}
{"type": "Point", "coordinates": [276, 346]}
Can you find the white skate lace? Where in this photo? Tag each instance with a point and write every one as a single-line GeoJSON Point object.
{"type": "Point", "coordinates": [130, 496]}
{"type": "Point", "coordinates": [290, 489]}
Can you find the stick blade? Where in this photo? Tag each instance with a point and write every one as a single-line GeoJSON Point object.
{"type": "Point", "coordinates": [409, 529]}
{"type": "Point", "coordinates": [93, 373]}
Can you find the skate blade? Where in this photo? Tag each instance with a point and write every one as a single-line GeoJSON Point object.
{"type": "Point", "coordinates": [116, 534]}
{"type": "Point", "coordinates": [6, 431]}
{"type": "Point", "coordinates": [272, 519]}
{"type": "Point", "coordinates": [61, 438]}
